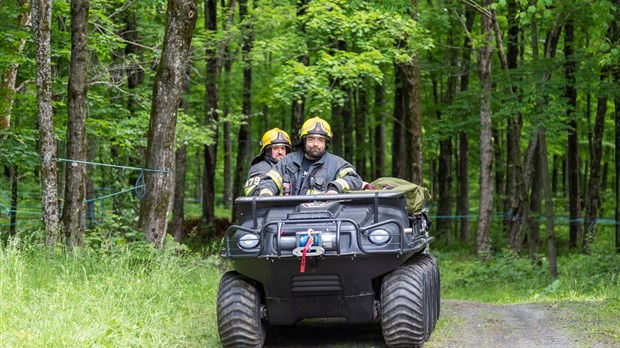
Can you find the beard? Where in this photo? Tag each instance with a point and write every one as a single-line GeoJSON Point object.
{"type": "Point", "coordinates": [313, 153]}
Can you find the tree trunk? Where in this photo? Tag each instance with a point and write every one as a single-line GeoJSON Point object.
{"type": "Point", "coordinates": [337, 125]}
{"type": "Point", "coordinates": [42, 18]}
{"type": "Point", "coordinates": [555, 173]}
{"type": "Point", "coordinates": [380, 116]}
{"type": "Point", "coordinates": [444, 173]}
{"type": "Point", "coordinates": [211, 115]}
{"type": "Point", "coordinates": [75, 174]}
{"type": "Point", "coordinates": [177, 225]}
{"type": "Point", "coordinates": [13, 179]}
{"type": "Point", "coordinates": [360, 132]}
{"type": "Point", "coordinates": [515, 188]}
{"type": "Point", "coordinates": [462, 204]}
{"type": "Point", "coordinates": [593, 199]}
{"type": "Point", "coordinates": [483, 247]}
{"type": "Point", "coordinates": [574, 196]}
{"type": "Point", "coordinates": [7, 87]}
{"type": "Point", "coordinates": [244, 151]}
{"type": "Point", "coordinates": [228, 142]}
{"type": "Point", "coordinates": [498, 169]}
{"type": "Point", "coordinates": [413, 122]}
{"type": "Point", "coordinates": [348, 120]}
{"type": "Point", "coordinates": [134, 71]}
{"type": "Point", "coordinates": [398, 127]}
{"type": "Point", "coordinates": [90, 203]}
{"type": "Point", "coordinates": [551, 243]}
{"type": "Point", "coordinates": [167, 88]}
{"type": "Point", "coordinates": [298, 105]}
{"type": "Point", "coordinates": [533, 235]}
{"type": "Point", "coordinates": [593, 193]}
{"type": "Point", "coordinates": [226, 59]}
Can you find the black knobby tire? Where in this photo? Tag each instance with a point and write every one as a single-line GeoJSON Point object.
{"type": "Point", "coordinates": [406, 305]}
{"type": "Point", "coordinates": [239, 312]}
{"type": "Point", "coordinates": [432, 270]}
{"type": "Point", "coordinates": [418, 294]}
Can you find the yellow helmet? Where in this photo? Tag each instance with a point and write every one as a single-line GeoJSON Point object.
{"type": "Point", "coordinates": [316, 125]}
{"type": "Point", "coordinates": [275, 136]}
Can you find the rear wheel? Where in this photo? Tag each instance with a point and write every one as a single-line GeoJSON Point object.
{"type": "Point", "coordinates": [410, 302]}
{"type": "Point", "coordinates": [239, 312]}
{"type": "Point", "coordinates": [432, 270]}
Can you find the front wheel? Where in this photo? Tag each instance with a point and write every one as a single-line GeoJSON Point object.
{"type": "Point", "coordinates": [239, 319]}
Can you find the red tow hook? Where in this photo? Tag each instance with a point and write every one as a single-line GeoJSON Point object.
{"type": "Point", "coordinates": [302, 268]}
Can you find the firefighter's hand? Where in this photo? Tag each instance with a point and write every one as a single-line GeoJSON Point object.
{"type": "Point", "coordinates": [332, 192]}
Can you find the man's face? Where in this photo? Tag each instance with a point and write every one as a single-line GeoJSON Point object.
{"type": "Point", "coordinates": [278, 152]}
{"type": "Point", "coordinates": [315, 146]}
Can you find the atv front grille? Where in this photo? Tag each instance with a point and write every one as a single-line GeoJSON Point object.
{"type": "Point", "coordinates": [304, 284]}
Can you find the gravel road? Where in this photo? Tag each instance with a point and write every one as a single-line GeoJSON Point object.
{"type": "Point", "coordinates": [478, 325]}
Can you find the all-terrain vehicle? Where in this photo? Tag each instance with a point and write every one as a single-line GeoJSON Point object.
{"type": "Point", "coordinates": [360, 256]}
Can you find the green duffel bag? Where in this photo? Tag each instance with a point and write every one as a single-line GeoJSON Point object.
{"type": "Point", "coordinates": [417, 196]}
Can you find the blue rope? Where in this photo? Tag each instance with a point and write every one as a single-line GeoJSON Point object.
{"type": "Point", "coordinates": [113, 166]}
{"type": "Point", "coordinates": [139, 187]}
{"type": "Point", "coordinates": [91, 212]}
{"type": "Point", "coordinates": [6, 210]}
{"type": "Point", "coordinates": [111, 194]}
{"type": "Point", "coordinates": [140, 184]}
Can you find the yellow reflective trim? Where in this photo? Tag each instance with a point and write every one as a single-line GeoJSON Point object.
{"type": "Point", "coordinates": [276, 177]}
{"type": "Point", "coordinates": [265, 192]}
{"type": "Point", "coordinates": [343, 184]}
{"type": "Point", "coordinates": [345, 172]}
{"type": "Point", "coordinates": [314, 192]}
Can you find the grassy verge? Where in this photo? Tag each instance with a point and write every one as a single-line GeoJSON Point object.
{"type": "Point", "coordinates": [134, 297]}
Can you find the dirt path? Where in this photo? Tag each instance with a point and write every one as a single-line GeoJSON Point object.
{"type": "Point", "coordinates": [478, 325]}
{"type": "Point", "coordinates": [516, 326]}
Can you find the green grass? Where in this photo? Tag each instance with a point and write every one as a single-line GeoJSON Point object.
{"type": "Point", "coordinates": [125, 298]}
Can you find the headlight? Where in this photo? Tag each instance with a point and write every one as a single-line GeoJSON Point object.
{"type": "Point", "coordinates": [379, 237]}
{"type": "Point", "coordinates": [248, 241]}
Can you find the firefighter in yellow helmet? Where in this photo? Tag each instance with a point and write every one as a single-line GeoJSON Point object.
{"type": "Point", "coordinates": [274, 145]}
{"type": "Point", "coordinates": [311, 170]}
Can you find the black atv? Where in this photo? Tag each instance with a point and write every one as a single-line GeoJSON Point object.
{"type": "Point", "coordinates": [359, 256]}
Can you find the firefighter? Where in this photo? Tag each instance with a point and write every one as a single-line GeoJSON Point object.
{"type": "Point", "coordinates": [311, 169]}
{"type": "Point", "coordinates": [274, 145]}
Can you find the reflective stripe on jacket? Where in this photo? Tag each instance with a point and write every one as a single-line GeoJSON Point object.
{"type": "Point", "coordinates": [255, 174]}
{"type": "Point", "coordinates": [328, 172]}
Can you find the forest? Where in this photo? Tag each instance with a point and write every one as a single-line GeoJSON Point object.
{"type": "Point", "coordinates": [127, 129]}
{"type": "Point", "coordinates": [139, 119]}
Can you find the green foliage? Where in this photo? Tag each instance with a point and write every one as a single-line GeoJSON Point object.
{"type": "Point", "coordinates": [19, 148]}
{"type": "Point", "coordinates": [372, 39]}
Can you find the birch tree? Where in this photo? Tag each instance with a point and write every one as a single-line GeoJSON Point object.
{"type": "Point", "coordinates": [42, 22]}
{"type": "Point", "coordinates": [483, 247]}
